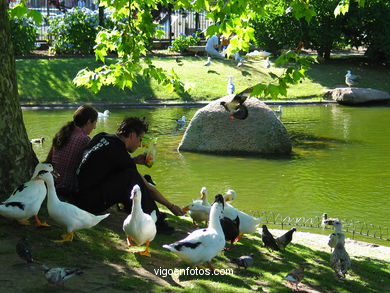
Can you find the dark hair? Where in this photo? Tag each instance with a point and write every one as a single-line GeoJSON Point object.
{"type": "Point", "coordinates": [132, 124]}
{"type": "Point", "coordinates": [81, 116]}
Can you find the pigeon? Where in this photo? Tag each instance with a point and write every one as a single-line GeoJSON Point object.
{"type": "Point", "coordinates": [230, 86]}
{"type": "Point", "coordinates": [236, 106]}
{"type": "Point", "coordinates": [57, 276]}
{"type": "Point", "coordinates": [208, 62]}
{"type": "Point", "coordinates": [23, 249]}
{"type": "Point", "coordinates": [285, 239]}
{"type": "Point", "coordinates": [340, 261]}
{"type": "Point", "coordinates": [268, 239]}
{"type": "Point", "coordinates": [149, 179]}
{"type": "Point", "coordinates": [267, 63]}
{"type": "Point", "coordinates": [243, 261]}
{"type": "Point", "coordinates": [296, 275]}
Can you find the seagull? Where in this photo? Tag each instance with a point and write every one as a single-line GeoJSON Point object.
{"type": "Point", "coordinates": [105, 114]}
{"type": "Point", "coordinates": [38, 140]}
{"type": "Point", "coordinates": [208, 62]}
{"type": "Point", "coordinates": [243, 261]}
{"type": "Point", "coordinates": [268, 239]}
{"type": "Point", "coordinates": [181, 121]}
{"type": "Point", "coordinates": [279, 111]}
{"type": "Point", "coordinates": [296, 276]}
{"type": "Point", "coordinates": [267, 63]}
{"type": "Point", "coordinates": [236, 106]}
{"type": "Point", "coordinates": [23, 249]}
{"type": "Point", "coordinates": [57, 276]}
{"type": "Point", "coordinates": [285, 239]}
{"type": "Point", "coordinates": [350, 79]}
{"type": "Point", "coordinates": [230, 86]}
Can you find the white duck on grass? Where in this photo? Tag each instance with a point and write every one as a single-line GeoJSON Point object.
{"type": "Point", "coordinates": [66, 214]}
{"type": "Point", "coordinates": [197, 214]}
{"type": "Point", "coordinates": [27, 199]}
{"type": "Point", "coordinates": [138, 226]}
{"type": "Point", "coordinates": [202, 245]}
{"type": "Point", "coordinates": [105, 114]}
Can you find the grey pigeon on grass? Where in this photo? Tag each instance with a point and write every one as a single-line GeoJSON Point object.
{"type": "Point", "coordinates": [57, 276]}
{"type": "Point", "coordinates": [243, 261]}
{"type": "Point", "coordinates": [268, 239]}
{"type": "Point", "coordinates": [285, 239]}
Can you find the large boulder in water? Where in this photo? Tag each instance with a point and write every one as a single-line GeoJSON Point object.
{"type": "Point", "coordinates": [211, 130]}
{"type": "Point", "coordinates": [358, 96]}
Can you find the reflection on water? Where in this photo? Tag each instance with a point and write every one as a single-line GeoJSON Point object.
{"type": "Point", "coordinates": [340, 162]}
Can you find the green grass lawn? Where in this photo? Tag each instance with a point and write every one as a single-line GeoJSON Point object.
{"type": "Point", "coordinates": [102, 253]}
{"type": "Point", "coordinates": [50, 80]}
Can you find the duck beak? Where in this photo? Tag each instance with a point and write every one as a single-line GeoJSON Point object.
{"type": "Point", "coordinates": [186, 209]}
{"type": "Point", "coordinates": [55, 174]}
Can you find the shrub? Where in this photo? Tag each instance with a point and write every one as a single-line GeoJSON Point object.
{"type": "Point", "coordinates": [75, 31]}
{"type": "Point", "coordinates": [181, 43]}
{"type": "Point", "coordinates": [23, 35]}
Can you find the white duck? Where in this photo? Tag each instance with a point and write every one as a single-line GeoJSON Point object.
{"type": "Point", "coordinates": [105, 114]}
{"type": "Point", "coordinates": [340, 261]}
{"type": "Point", "coordinates": [267, 63]}
{"type": "Point", "coordinates": [230, 195]}
{"type": "Point", "coordinates": [65, 213]}
{"type": "Point", "coordinates": [203, 244]}
{"type": "Point", "coordinates": [26, 200]}
{"type": "Point", "coordinates": [208, 62]}
{"type": "Point", "coordinates": [138, 226]}
{"type": "Point", "coordinates": [199, 215]}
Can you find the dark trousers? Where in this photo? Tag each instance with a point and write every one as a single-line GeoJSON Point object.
{"type": "Point", "coordinates": [116, 189]}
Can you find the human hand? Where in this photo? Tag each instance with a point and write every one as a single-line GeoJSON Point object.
{"type": "Point", "coordinates": [177, 211]}
{"type": "Point", "coordinates": [140, 159]}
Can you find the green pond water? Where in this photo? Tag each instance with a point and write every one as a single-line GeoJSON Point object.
{"type": "Point", "coordinates": [340, 162]}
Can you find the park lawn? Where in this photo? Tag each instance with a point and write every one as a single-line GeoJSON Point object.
{"type": "Point", "coordinates": [50, 80]}
{"type": "Point", "coordinates": [107, 262]}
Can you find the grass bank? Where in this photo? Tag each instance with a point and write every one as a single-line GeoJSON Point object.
{"type": "Point", "coordinates": [50, 80]}
{"type": "Point", "coordinates": [109, 266]}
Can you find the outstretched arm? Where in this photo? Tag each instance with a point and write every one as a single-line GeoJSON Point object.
{"type": "Point", "coordinates": [157, 196]}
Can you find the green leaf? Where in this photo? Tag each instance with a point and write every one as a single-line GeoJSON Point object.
{"type": "Point", "coordinates": [35, 15]}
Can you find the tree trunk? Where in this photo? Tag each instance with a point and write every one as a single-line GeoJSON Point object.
{"type": "Point", "coordinates": [17, 158]}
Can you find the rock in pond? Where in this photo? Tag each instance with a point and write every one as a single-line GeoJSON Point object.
{"type": "Point", "coordinates": [358, 96]}
{"type": "Point", "coordinates": [211, 130]}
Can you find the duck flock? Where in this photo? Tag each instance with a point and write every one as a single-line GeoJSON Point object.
{"type": "Point", "coordinates": [222, 223]}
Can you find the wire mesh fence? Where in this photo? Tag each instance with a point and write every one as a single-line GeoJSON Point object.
{"type": "Point", "coordinates": [352, 226]}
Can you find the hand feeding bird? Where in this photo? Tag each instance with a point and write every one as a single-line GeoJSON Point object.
{"type": "Point", "coordinates": [202, 245]}
{"type": "Point", "coordinates": [268, 239]}
{"type": "Point", "coordinates": [230, 86]}
{"type": "Point", "coordinates": [340, 261]}
{"type": "Point", "coordinates": [244, 261]}
{"type": "Point", "coordinates": [138, 226]}
{"type": "Point", "coordinates": [208, 62]}
{"type": "Point", "coordinates": [23, 249]}
{"type": "Point", "coordinates": [67, 214]}
{"type": "Point", "coordinates": [285, 239]}
{"type": "Point", "coordinates": [196, 209]}
{"type": "Point", "coordinates": [296, 275]}
{"type": "Point", "coordinates": [236, 106]}
{"type": "Point", "coordinates": [26, 200]}
{"type": "Point", "coordinates": [57, 276]}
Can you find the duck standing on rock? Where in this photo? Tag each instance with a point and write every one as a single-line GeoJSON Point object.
{"type": "Point", "coordinates": [67, 214]}
{"type": "Point", "coordinates": [27, 199]}
{"type": "Point", "coordinates": [138, 226]}
{"type": "Point", "coordinates": [203, 244]}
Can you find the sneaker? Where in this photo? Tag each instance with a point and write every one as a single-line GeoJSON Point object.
{"type": "Point", "coordinates": [164, 228]}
